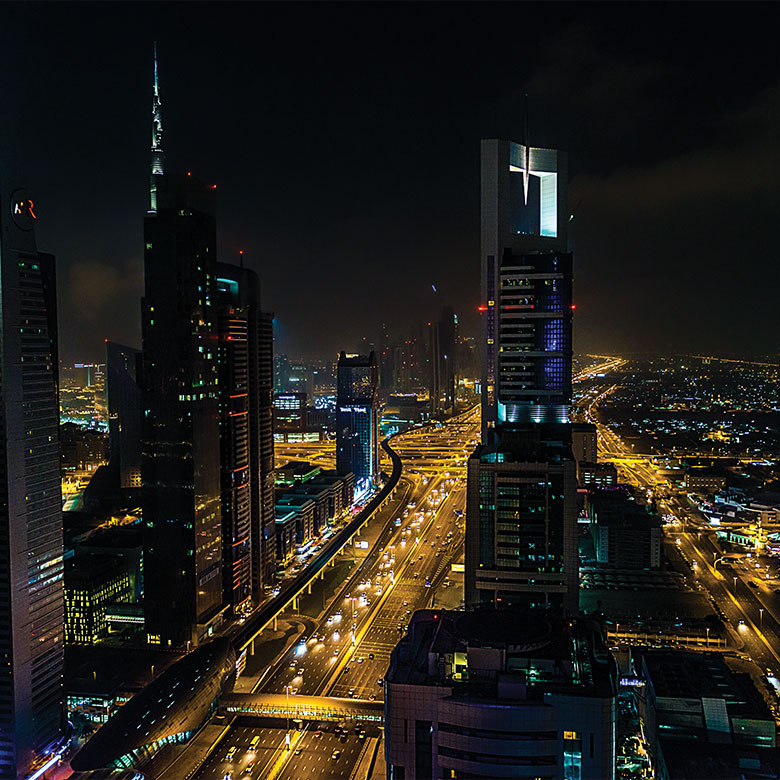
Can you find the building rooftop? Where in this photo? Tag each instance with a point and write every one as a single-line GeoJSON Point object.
{"type": "Point", "coordinates": [504, 654]}
{"type": "Point", "coordinates": [689, 675]}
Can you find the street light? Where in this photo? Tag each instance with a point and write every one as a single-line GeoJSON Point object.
{"type": "Point", "coordinates": [708, 637]}
{"type": "Point", "coordinates": [761, 616]}
{"type": "Point", "coordinates": [735, 585]}
{"type": "Point", "coordinates": [287, 736]}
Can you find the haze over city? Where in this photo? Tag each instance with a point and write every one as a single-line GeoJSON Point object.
{"type": "Point", "coordinates": [343, 140]}
{"type": "Point", "coordinates": [389, 391]}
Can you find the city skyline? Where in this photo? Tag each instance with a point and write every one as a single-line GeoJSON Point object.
{"type": "Point", "coordinates": [664, 141]}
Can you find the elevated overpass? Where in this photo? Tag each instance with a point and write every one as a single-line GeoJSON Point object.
{"type": "Point", "coordinates": [265, 615]}
{"type": "Point", "coordinates": [322, 708]}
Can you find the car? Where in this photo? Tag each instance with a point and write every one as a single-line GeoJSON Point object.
{"type": "Point", "coordinates": [335, 652]}
{"type": "Point", "coordinates": [362, 734]}
{"type": "Point", "coordinates": [370, 698]}
{"type": "Point", "coordinates": [343, 737]}
{"type": "Point", "coordinates": [231, 752]}
{"type": "Point", "coordinates": [227, 776]}
{"type": "Point", "coordinates": [753, 584]}
{"type": "Point", "coordinates": [293, 664]}
{"type": "Point", "coordinates": [742, 622]}
{"type": "Point", "coordinates": [351, 692]}
{"type": "Point", "coordinates": [370, 656]}
{"type": "Point", "coordinates": [360, 660]}
{"type": "Point", "coordinates": [297, 751]}
{"type": "Point", "coordinates": [346, 669]}
{"type": "Point", "coordinates": [406, 603]}
{"type": "Point", "coordinates": [335, 755]}
{"type": "Point", "coordinates": [380, 681]}
{"type": "Point", "coordinates": [248, 768]}
{"type": "Point", "coordinates": [321, 638]}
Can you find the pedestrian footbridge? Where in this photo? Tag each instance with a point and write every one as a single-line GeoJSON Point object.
{"type": "Point", "coordinates": [324, 708]}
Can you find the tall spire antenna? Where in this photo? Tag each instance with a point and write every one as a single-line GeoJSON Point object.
{"type": "Point", "coordinates": [527, 145]}
{"type": "Point", "coordinates": [157, 133]}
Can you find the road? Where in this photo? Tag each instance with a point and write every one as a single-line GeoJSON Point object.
{"type": "Point", "coordinates": [748, 603]}
{"type": "Point", "coordinates": [348, 650]}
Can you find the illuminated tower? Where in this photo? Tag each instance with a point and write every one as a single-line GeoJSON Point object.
{"type": "Point", "coordinates": [526, 285]}
{"type": "Point", "coordinates": [246, 439]}
{"type": "Point", "coordinates": [157, 134]}
{"type": "Point", "coordinates": [31, 546]}
{"type": "Point", "coordinates": [521, 529]}
{"type": "Point", "coordinates": [357, 417]}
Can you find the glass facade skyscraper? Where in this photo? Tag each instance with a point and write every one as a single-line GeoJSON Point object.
{"type": "Point", "coordinates": [245, 392]}
{"type": "Point", "coordinates": [31, 544]}
{"type": "Point", "coordinates": [180, 461]}
{"type": "Point", "coordinates": [521, 532]}
{"type": "Point", "coordinates": [357, 417]}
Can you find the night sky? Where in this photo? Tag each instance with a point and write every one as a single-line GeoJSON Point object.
{"type": "Point", "coordinates": [344, 140]}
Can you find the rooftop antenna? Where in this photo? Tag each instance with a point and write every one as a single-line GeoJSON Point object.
{"type": "Point", "coordinates": [157, 150]}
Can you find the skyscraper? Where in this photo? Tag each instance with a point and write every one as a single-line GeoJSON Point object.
{"type": "Point", "coordinates": [180, 462]}
{"type": "Point", "coordinates": [443, 360]}
{"type": "Point", "coordinates": [245, 371]}
{"type": "Point", "coordinates": [123, 396]}
{"type": "Point", "coordinates": [357, 417]}
{"type": "Point", "coordinates": [261, 364]}
{"type": "Point", "coordinates": [31, 546]}
{"type": "Point", "coordinates": [521, 532]}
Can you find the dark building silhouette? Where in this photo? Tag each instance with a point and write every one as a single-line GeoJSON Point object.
{"type": "Point", "coordinates": [261, 432]}
{"type": "Point", "coordinates": [357, 417]}
{"type": "Point", "coordinates": [521, 529]}
{"type": "Point", "coordinates": [180, 459]}
{"type": "Point", "coordinates": [123, 396]}
{"type": "Point", "coordinates": [443, 361]}
{"type": "Point", "coordinates": [31, 541]}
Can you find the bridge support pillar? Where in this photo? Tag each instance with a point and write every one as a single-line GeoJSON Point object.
{"type": "Point", "coordinates": [252, 647]}
{"type": "Point", "coordinates": [274, 622]}
{"type": "Point", "coordinates": [309, 587]}
{"type": "Point", "coordinates": [295, 603]}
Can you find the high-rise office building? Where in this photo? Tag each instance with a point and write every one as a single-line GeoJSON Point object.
{"type": "Point", "coordinates": [180, 462]}
{"type": "Point", "coordinates": [180, 449]}
{"type": "Point", "coordinates": [123, 395]}
{"type": "Point", "coordinates": [234, 400]}
{"type": "Point", "coordinates": [245, 371]}
{"type": "Point", "coordinates": [31, 544]}
{"type": "Point", "coordinates": [443, 360]}
{"type": "Point", "coordinates": [521, 531]}
{"type": "Point", "coordinates": [357, 417]}
{"type": "Point", "coordinates": [261, 365]}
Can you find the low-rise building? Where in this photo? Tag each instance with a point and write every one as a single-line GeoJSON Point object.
{"type": "Point", "coordinates": [92, 583]}
{"type": "Point", "coordinates": [303, 507]}
{"type": "Point", "coordinates": [625, 534]}
{"type": "Point", "coordinates": [285, 536]}
{"type": "Point", "coordinates": [705, 480]}
{"type": "Point", "coordinates": [702, 719]}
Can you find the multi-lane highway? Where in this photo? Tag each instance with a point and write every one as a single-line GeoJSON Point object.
{"type": "Point", "coordinates": [347, 652]}
{"type": "Point", "coordinates": [748, 604]}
